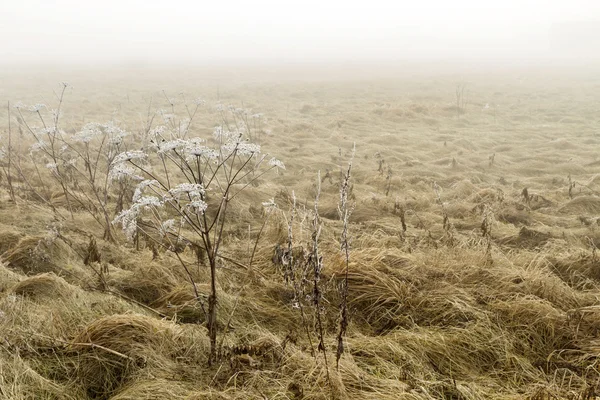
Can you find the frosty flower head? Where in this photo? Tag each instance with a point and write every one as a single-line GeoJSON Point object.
{"type": "Point", "coordinates": [165, 147]}
{"type": "Point", "coordinates": [37, 107]}
{"type": "Point", "coordinates": [158, 131]}
{"type": "Point", "coordinates": [52, 167]}
{"type": "Point", "coordinates": [269, 205]}
{"type": "Point", "coordinates": [37, 146]}
{"type": "Point", "coordinates": [199, 102]}
{"type": "Point", "coordinates": [87, 133]}
{"type": "Point", "coordinates": [193, 190]}
{"type": "Point", "coordinates": [50, 130]}
{"type": "Point", "coordinates": [195, 151]}
{"type": "Point", "coordinates": [141, 187]}
{"type": "Point", "coordinates": [19, 105]}
{"type": "Point", "coordinates": [116, 134]}
{"type": "Point", "coordinates": [165, 227]}
{"type": "Point", "coordinates": [146, 202]}
{"type": "Point", "coordinates": [56, 114]}
{"type": "Point", "coordinates": [197, 206]}
{"type": "Point", "coordinates": [241, 148]}
{"type": "Point", "coordinates": [273, 162]}
{"type": "Point", "coordinates": [122, 172]}
{"type": "Point", "coordinates": [191, 194]}
{"type": "Point", "coordinates": [128, 218]}
{"type": "Point", "coordinates": [130, 156]}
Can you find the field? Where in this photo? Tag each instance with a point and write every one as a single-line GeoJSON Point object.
{"type": "Point", "coordinates": [473, 268]}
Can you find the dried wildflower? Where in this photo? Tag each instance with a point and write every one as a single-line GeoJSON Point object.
{"type": "Point", "coordinates": [129, 156]}
{"type": "Point", "coordinates": [273, 162]}
{"type": "Point", "coordinates": [37, 146]}
{"type": "Point", "coordinates": [52, 167]}
{"type": "Point", "coordinates": [88, 133]}
{"type": "Point", "coordinates": [165, 227]}
{"type": "Point", "coordinates": [197, 206]}
{"type": "Point", "coordinates": [193, 190]}
{"type": "Point", "coordinates": [37, 107]}
{"type": "Point", "coordinates": [139, 190]}
{"type": "Point", "coordinates": [195, 151]}
{"type": "Point", "coordinates": [269, 205]}
{"type": "Point", "coordinates": [171, 145]}
{"type": "Point", "coordinates": [122, 172]}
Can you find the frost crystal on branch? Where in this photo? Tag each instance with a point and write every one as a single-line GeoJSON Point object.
{"type": "Point", "coordinates": [36, 107]}
{"type": "Point", "coordinates": [128, 218]}
{"type": "Point", "coordinates": [165, 147]}
{"type": "Point", "coordinates": [88, 133]}
{"type": "Point", "coordinates": [165, 227]}
{"type": "Point", "coordinates": [270, 205]}
{"type": "Point", "coordinates": [197, 206]}
{"type": "Point", "coordinates": [39, 145]}
{"type": "Point", "coordinates": [193, 190]}
{"type": "Point", "coordinates": [276, 163]}
{"type": "Point", "coordinates": [196, 150]}
{"type": "Point", "coordinates": [130, 155]}
{"type": "Point", "coordinates": [52, 167]}
{"type": "Point", "coordinates": [139, 190]}
{"type": "Point", "coordinates": [121, 172]}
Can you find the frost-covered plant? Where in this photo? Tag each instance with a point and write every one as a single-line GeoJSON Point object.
{"type": "Point", "coordinates": [81, 163]}
{"type": "Point", "coordinates": [182, 176]}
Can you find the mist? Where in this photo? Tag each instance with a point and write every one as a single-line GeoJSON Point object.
{"type": "Point", "coordinates": [133, 32]}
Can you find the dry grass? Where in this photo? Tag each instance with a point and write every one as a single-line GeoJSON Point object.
{"type": "Point", "coordinates": [43, 287]}
{"type": "Point", "coordinates": [433, 314]}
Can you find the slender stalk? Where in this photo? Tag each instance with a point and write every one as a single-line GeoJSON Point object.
{"type": "Point", "coordinates": [9, 174]}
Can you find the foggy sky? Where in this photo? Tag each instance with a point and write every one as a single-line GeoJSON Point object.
{"type": "Point", "coordinates": [260, 31]}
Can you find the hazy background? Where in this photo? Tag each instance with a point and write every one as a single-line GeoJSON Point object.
{"type": "Point", "coordinates": [135, 32]}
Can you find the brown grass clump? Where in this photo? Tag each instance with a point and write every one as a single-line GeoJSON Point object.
{"type": "Point", "coordinates": [539, 327]}
{"type": "Point", "coordinates": [112, 348]}
{"type": "Point", "coordinates": [527, 239]}
{"type": "Point", "coordinates": [582, 205]}
{"type": "Point", "coordinates": [180, 303]}
{"type": "Point", "coordinates": [8, 239]}
{"type": "Point", "coordinates": [515, 214]}
{"type": "Point", "coordinates": [146, 283]}
{"type": "Point", "coordinates": [38, 254]}
{"type": "Point", "coordinates": [43, 286]}
{"type": "Point", "coordinates": [581, 271]}
{"type": "Point", "coordinates": [8, 278]}
{"type": "Point", "coordinates": [19, 381]}
{"type": "Point", "coordinates": [156, 389]}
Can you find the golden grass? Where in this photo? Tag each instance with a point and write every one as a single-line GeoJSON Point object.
{"type": "Point", "coordinates": [431, 316]}
{"type": "Point", "coordinates": [43, 287]}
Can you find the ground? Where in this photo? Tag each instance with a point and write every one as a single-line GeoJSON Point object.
{"type": "Point", "coordinates": [490, 290]}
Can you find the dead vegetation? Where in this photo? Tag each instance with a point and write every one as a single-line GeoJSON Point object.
{"type": "Point", "coordinates": [465, 264]}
